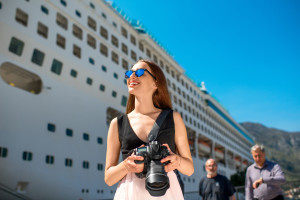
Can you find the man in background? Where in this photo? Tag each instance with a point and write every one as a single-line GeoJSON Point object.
{"type": "Point", "coordinates": [263, 178]}
{"type": "Point", "coordinates": [215, 186]}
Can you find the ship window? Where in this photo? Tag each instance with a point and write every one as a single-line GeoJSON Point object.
{"type": "Point", "coordinates": [21, 17]}
{"type": "Point", "coordinates": [102, 88]}
{"type": "Point", "coordinates": [124, 48]}
{"type": "Point", "coordinates": [77, 32]}
{"type": "Point", "coordinates": [3, 152]}
{"type": "Point", "coordinates": [16, 46]}
{"type": "Point", "coordinates": [177, 77]}
{"type": "Point", "coordinates": [69, 132]}
{"type": "Point", "coordinates": [124, 101]}
{"type": "Point", "coordinates": [114, 57]}
{"type": "Point", "coordinates": [114, 41]}
{"type": "Point", "coordinates": [63, 2]}
{"type": "Point", "coordinates": [91, 41]}
{"type": "Point", "coordinates": [27, 155]}
{"type": "Point", "coordinates": [38, 57]}
{"type": "Point", "coordinates": [154, 58]}
{"type": "Point", "coordinates": [116, 76]}
{"type": "Point", "coordinates": [85, 164]}
{"type": "Point", "coordinates": [103, 32]}
{"type": "Point", "coordinates": [73, 73]}
{"type": "Point", "coordinates": [148, 53]}
{"type": "Point", "coordinates": [60, 41]}
{"type": "Point", "coordinates": [100, 167]}
{"type": "Point", "coordinates": [62, 21]}
{"type": "Point", "coordinates": [103, 15]}
{"type": "Point", "coordinates": [161, 64]}
{"type": "Point", "coordinates": [172, 74]}
{"type": "Point", "coordinates": [114, 94]}
{"type": "Point", "coordinates": [89, 81]}
{"type": "Point", "coordinates": [92, 5]}
{"type": "Point", "coordinates": [100, 140]}
{"type": "Point", "coordinates": [133, 55]}
{"type": "Point", "coordinates": [103, 50]}
{"type": "Point", "coordinates": [167, 69]}
{"type": "Point", "coordinates": [104, 68]}
{"type": "Point", "coordinates": [132, 39]}
{"type": "Point", "coordinates": [86, 136]}
{"type": "Point", "coordinates": [44, 9]}
{"type": "Point", "coordinates": [92, 23]}
{"type": "Point", "coordinates": [56, 67]}
{"type": "Point", "coordinates": [77, 13]}
{"type": "Point", "coordinates": [77, 51]}
{"type": "Point", "coordinates": [68, 162]}
{"type": "Point", "coordinates": [91, 60]}
{"type": "Point", "coordinates": [51, 127]}
{"type": "Point", "coordinates": [124, 64]}
{"type": "Point", "coordinates": [20, 78]}
{"type": "Point", "coordinates": [114, 24]}
{"type": "Point", "coordinates": [175, 99]}
{"type": "Point", "coordinates": [124, 32]}
{"type": "Point", "coordinates": [50, 159]}
{"type": "Point", "coordinates": [0, 5]}
{"type": "Point", "coordinates": [42, 30]}
{"type": "Point", "coordinates": [141, 46]}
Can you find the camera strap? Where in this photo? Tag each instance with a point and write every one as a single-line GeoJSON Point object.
{"type": "Point", "coordinates": [156, 126]}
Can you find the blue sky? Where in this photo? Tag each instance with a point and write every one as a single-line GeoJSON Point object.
{"type": "Point", "coordinates": [247, 52]}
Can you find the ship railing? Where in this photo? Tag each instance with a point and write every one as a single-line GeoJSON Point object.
{"type": "Point", "coordinates": [9, 193]}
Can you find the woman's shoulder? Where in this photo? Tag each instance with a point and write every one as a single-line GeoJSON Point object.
{"type": "Point", "coordinates": [176, 116]}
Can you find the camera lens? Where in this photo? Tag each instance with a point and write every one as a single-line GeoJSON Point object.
{"type": "Point", "coordinates": [157, 181]}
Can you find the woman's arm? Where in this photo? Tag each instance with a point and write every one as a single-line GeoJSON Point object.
{"type": "Point", "coordinates": [114, 172]}
{"type": "Point", "coordinates": [183, 159]}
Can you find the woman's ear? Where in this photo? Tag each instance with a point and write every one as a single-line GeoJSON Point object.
{"type": "Point", "coordinates": [155, 84]}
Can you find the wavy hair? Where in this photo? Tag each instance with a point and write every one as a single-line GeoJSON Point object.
{"type": "Point", "coordinates": [161, 97]}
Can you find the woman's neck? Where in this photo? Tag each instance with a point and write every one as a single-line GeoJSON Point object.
{"type": "Point", "coordinates": [144, 105]}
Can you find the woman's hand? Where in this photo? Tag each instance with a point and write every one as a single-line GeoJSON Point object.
{"type": "Point", "coordinates": [131, 166]}
{"type": "Point", "coordinates": [174, 159]}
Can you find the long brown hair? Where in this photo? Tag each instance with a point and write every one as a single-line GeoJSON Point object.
{"type": "Point", "coordinates": [161, 98]}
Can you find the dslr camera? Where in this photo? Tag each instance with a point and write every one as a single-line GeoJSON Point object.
{"type": "Point", "coordinates": [157, 181]}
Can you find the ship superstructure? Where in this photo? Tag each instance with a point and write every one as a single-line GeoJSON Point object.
{"type": "Point", "coordinates": [62, 67]}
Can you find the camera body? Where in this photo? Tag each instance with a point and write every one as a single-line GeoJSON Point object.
{"type": "Point", "coordinates": [157, 181]}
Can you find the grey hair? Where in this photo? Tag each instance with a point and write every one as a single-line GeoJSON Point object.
{"type": "Point", "coordinates": [258, 146]}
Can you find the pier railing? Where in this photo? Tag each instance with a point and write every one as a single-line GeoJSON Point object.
{"type": "Point", "coordinates": [9, 193]}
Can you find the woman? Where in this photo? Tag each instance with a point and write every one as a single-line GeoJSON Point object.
{"type": "Point", "coordinates": [148, 96]}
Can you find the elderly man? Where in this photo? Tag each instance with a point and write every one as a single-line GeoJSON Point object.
{"type": "Point", "coordinates": [215, 186]}
{"type": "Point", "coordinates": [263, 178]}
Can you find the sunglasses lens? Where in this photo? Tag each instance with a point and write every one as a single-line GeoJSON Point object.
{"type": "Point", "coordinates": [139, 72]}
{"type": "Point", "coordinates": [128, 74]}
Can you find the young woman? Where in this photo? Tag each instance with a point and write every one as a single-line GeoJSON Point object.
{"type": "Point", "coordinates": [148, 96]}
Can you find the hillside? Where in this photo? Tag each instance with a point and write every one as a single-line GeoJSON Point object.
{"type": "Point", "coordinates": [281, 146]}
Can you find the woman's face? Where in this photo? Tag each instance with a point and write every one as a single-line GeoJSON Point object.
{"type": "Point", "coordinates": [142, 85]}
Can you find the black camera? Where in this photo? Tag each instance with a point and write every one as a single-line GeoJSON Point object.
{"type": "Point", "coordinates": [157, 181]}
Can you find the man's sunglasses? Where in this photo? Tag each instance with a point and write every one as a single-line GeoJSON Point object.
{"type": "Point", "coordinates": [138, 73]}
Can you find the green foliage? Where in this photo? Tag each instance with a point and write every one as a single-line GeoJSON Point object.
{"type": "Point", "coordinates": [238, 178]}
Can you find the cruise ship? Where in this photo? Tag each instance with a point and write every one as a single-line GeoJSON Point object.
{"type": "Point", "coordinates": [62, 65]}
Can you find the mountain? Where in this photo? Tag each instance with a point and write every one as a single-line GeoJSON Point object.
{"type": "Point", "coordinates": [281, 146]}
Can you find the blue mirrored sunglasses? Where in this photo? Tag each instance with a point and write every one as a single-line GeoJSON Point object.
{"type": "Point", "coordinates": [138, 73]}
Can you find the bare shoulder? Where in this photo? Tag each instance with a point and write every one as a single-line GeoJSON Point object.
{"type": "Point", "coordinates": [177, 117]}
{"type": "Point", "coordinates": [114, 121]}
{"type": "Point", "coordinates": [113, 127]}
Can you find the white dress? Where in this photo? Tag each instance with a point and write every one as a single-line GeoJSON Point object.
{"type": "Point", "coordinates": [133, 188]}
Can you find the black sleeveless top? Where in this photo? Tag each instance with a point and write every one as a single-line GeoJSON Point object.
{"type": "Point", "coordinates": [129, 140]}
